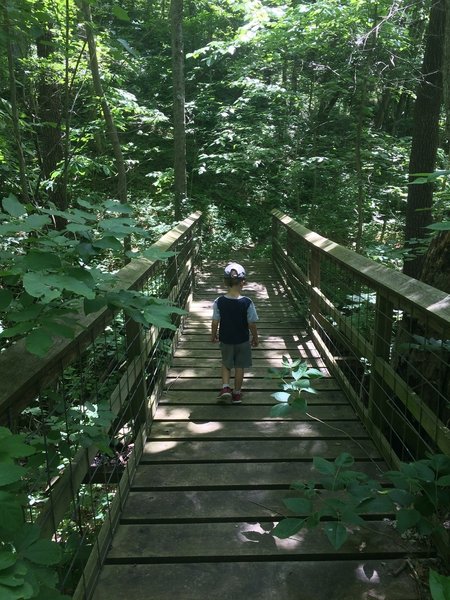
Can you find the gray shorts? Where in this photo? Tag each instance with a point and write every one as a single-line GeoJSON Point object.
{"type": "Point", "coordinates": [236, 355]}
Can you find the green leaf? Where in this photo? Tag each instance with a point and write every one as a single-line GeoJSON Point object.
{"type": "Point", "coordinates": [300, 404]}
{"type": "Point", "coordinates": [78, 228]}
{"type": "Point", "coordinates": [157, 254]}
{"type": "Point", "coordinates": [324, 466]}
{"type": "Point", "coordinates": [43, 552]}
{"type": "Point", "coordinates": [407, 518]}
{"type": "Point", "coordinates": [120, 13]}
{"type": "Point", "coordinates": [39, 342]}
{"type": "Point", "coordinates": [280, 410]}
{"type": "Point", "coordinates": [46, 593]}
{"type": "Point", "coordinates": [33, 222]}
{"type": "Point", "coordinates": [93, 305]}
{"type": "Point", "coordinates": [13, 207]}
{"type": "Point", "coordinates": [10, 473]}
{"type": "Point", "coordinates": [439, 586]}
{"type": "Point", "coordinates": [443, 481]}
{"type": "Point", "coordinates": [281, 396]}
{"type": "Point", "coordinates": [11, 514]}
{"type": "Point", "coordinates": [22, 592]}
{"type": "Point", "coordinates": [344, 460]}
{"type": "Point", "coordinates": [442, 226]}
{"type": "Point", "coordinates": [314, 373]}
{"type": "Point", "coordinates": [288, 527]}
{"type": "Point", "coordinates": [15, 447]}
{"type": "Point", "coordinates": [40, 261]}
{"type": "Point", "coordinates": [38, 286]}
{"type": "Point", "coordinates": [299, 506]}
{"type": "Point", "coordinates": [336, 533]}
{"type": "Point", "coordinates": [6, 297]}
{"type": "Point", "coordinates": [128, 48]}
{"type": "Point", "coordinates": [19, 329]}
{"type": "Point", "coordinates": [108, 242]}
{"type": "Point", "coordinates": [7, 558]}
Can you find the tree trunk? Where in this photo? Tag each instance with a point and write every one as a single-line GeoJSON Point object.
{"type": "Point", "coordinates": [107, 115]}
{"type": "Point", "coordinates": [436, 266]}
{"type": "Point", "coordinates": [179, 119]}
{"type": "Point", "coordinates": [50, 111]}
{"type": "Point", "coordinates": [14, 110]}
{"type": "Point", "coordinates": [425, 137]}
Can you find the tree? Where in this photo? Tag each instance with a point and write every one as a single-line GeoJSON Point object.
{"type": "Point", "coordinates": [425, 138]}
{"type": "Point", "coordinates": [179, 119]}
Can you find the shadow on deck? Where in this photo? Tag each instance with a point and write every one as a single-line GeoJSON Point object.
{"type": "Point", "coordinates": [210, 486]}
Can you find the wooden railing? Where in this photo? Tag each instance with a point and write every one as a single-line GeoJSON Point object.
{"type": "Point", "coordinates": [384, 336]}
{"type": "Point", "coordinates": [111, 372]}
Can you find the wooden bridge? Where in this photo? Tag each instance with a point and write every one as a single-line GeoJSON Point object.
{"type": "Point", "coordinates": [191, 513]}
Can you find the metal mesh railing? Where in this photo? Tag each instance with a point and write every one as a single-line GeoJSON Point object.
{"type": "Point", "coordinates": [85, 410]}
{"type": "Point", "coordinates": [385, 337]}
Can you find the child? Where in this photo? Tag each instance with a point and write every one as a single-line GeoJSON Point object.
{"type": "Point", "coordinates": [234, 315]}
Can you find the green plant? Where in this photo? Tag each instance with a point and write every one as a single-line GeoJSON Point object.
{"type": "Point", "coordinates": [59, 271]}
{"type": "Point", "coordinates": [26, 559]}
{"type": "Point", "coordinates": [416, 496]}
{"type": "Point", "coordinates": [439, 586]}
{"type": "Point", "coordinates": [295, 377]}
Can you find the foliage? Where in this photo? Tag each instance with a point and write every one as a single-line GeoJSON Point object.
{"type": "Point", "coordinates": [26, 560]}
{"type": "Point", "coordinates": [53, 270]}
{"type": "Point", "coordinates": [439, 586]}
{"type": "Point", "coordinates": [416, 496]}
{"type": "Point", "coordinates": [295, 377]}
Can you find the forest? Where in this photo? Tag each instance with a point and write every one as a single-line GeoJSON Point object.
{"type": "Point", "coordinates": [118, 120]}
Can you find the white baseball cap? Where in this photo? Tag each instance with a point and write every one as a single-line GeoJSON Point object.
{"type": "Point", "coordinates": [232, 266]}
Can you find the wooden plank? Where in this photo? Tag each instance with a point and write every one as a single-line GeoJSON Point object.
{"type": "Point", "coordinates": [255, 397]}
{"type": "Point", "coordinates": [303, 351]}
{"type": "Point", "coordinates": [228, 412]}
{"type": "Point", "coordinates": [275, 346]}
{"type": "Point", "coordinates": [257, 430]}
{"type": "Point", "coordinates": [263, 450]}
{"type": "Point", "coordinates": [249, 384]}
{"type": "Point", "coordinates": [212, 370]}
{"type": "Point", "coordinates": [278, 580]}
{"type": "Point", "coordinates": [219, 475]}
{"type": "Point", "coordinates": [258, 362]}
{"type": "Point", "coordinates": [249, 540]}
{"type": "Point", "coordinates": [208, 505]}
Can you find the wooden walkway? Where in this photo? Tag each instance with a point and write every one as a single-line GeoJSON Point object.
{"type": "Point", "coordinates": [209, 488]}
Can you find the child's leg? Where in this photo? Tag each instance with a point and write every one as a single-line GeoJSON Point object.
{"type": "Point", "coordinates": [225, 376]}
{"type": "Point", "coordinates": [238, 378]}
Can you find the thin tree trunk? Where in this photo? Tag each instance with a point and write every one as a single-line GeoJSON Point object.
{"type": "Point", "coordinates": [14, 110]}
{"type": "Point", "coordinates": [107, 115]}
{"type": "Point", "coordinates": [425, 137]}
{"type": "Point", "coordinates": [179, 118]}
{"type": "Point", "coordinates": [51, 137]}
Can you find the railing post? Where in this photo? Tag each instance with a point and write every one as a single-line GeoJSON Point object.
{"type": "Point", "coordinates": [275, 236]}
{"type": "Point", "coordinates": [135, 354]}
{"type": "Point", "coordinates": [382, 339]}
{"type": "Point", "coordinates": [314, 280]}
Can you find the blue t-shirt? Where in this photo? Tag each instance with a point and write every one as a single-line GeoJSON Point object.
{"type": "Point", "coordinates": [234, 315]}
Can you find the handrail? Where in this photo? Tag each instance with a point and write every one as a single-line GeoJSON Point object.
{"type": "Point", "coordinates": [115, 365]}
{"type": "Point", "coordinates": [384, 335]}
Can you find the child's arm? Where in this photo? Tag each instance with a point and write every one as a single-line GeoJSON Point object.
{"type": "Point", "coordinates": [214, 326]}
{"type": "Point", "coordinates": [254, 332]}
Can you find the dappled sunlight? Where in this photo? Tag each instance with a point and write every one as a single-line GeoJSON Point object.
{"type": "Point", "coordinates": [208, 427]}
{"type": "Point", "coordinates": [159, 447]}
{"type": "Point", "coordinates": [289, 544]}
{"type": "Point", "coordinates": [367, 575]}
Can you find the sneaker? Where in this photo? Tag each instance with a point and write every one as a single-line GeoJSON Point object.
{"type": "Point", "coordinates": [224, 393]}
{"type": "Point", "coordinates": [236, 398]}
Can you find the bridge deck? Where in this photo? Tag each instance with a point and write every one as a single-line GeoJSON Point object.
{"type": "Point", "coordinates": [210, 485]}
